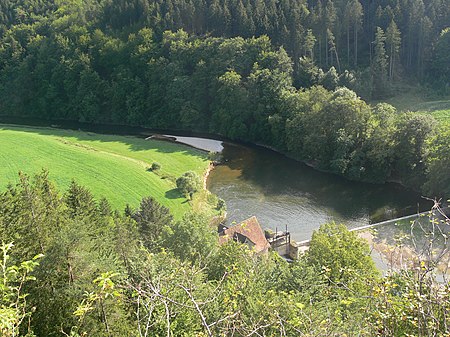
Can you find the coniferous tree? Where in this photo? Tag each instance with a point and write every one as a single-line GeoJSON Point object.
{"type": "Point", "coordinates": [80, 201]}
{"type": "Point", "coordinates": [424, 44]}
{"type": "Point", "coordinates": [151, 218]}
{"type": "Point", "coordinates": [393, 43]}
{"type": "Point", "coordinates": [310, 41]}
{"type": "Point", "coordinates": [379, 64]}
{"type": "Point", "coordinates": [329, 20]}
{"type": "Point", "coordinates": [357, 16]}
{"type": "Point", "coordinates": [440, 62]}
{"type": "Point", "coordinates": [333, 49]}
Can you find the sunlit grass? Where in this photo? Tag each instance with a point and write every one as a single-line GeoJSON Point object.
{"type": "Point", "coordinates": [442, 116]}
{"type": "Point", "coordinates": [115, 167]}
{"type": "Point", "coordinates": [412, 98]}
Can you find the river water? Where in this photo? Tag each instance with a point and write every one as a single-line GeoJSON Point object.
{"type": "Point", "coordinates": [284, 193]}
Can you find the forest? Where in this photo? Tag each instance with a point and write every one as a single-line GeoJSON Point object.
{"type": "Point", "coordinates": [290, 76]}
{"type": "Point", "coordinates": [389, 39]}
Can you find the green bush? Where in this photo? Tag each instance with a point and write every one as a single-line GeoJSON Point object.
{"type": "Point", "coordinates": [156, 166]}
{"type": "Point", "coordinates": [221, 206]}
{"type": "Point", "coordinates": [189, 183]}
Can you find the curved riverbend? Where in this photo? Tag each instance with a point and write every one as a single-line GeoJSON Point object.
{"type": "Point", "coordinates": [282, 192]}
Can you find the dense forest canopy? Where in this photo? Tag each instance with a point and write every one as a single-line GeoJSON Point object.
{"type": "Point", "coordinates": [268, 72]}
{"type": "Point", "coordinates": [344, 34]}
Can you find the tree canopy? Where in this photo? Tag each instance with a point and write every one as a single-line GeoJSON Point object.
{"type": "Point", "coordinates": [245, 70]}
{"type": "Point", "coordinates": [95, 274]}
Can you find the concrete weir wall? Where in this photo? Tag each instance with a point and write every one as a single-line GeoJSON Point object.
{"type": "Point", "coordinates": [296, 248]}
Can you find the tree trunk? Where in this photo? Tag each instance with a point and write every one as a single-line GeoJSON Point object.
{"type": "Point", "coordinates": [391, 60]}
{"type": "Point", "coordinates": [356, 46]}
{"type": "Point", "coordinates": [320, 52]}
{"type": "Point", "coordinates": [348, 44]}
{"type": "Point", "coordinates": [337, 60]}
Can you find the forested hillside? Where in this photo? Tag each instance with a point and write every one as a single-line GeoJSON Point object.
{"type": "Point", "coordinates": [346, 34]}
{"type": "Point", "coordinates": [116, 62]}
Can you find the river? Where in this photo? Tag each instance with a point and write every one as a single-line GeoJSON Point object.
{"type": "Point", "coordinates": [282, 193]}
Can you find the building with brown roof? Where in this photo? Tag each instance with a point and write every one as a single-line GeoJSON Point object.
{"type": "Point", "coordinates": [248, 232]}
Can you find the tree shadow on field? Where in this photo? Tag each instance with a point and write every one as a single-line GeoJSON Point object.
{"type": "Point", "coordinates": [135, 141]}
{"type": "Point", "coordinates": [174, 193]}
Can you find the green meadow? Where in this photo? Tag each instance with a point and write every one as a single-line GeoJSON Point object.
{"type": "Point", "coordinates": [115, 167]}
{"type": "Point", "coordinates": [413, 99]}
{"type": "Point", "coordinates": [440, 110]}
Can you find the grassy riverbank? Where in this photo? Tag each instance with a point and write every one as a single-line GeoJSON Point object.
{"type": "Point", "coordinates": [115, 167]}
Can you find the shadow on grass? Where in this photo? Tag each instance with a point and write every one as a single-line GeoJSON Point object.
{"type": "Point", "coordinates": [135, 142]}
{"type": "Point", "coordinates": [174, 193]}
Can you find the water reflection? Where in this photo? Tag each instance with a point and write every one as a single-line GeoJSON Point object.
{"type": "Point", "coordinates": [281, 191]}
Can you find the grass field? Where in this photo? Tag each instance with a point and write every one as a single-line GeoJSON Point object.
{"type": "Point", "coordinates": [111, 166]}
{"type": "Point", "coordinates": [413, 98]}
{"type": "Point", "coordinates": [440, 110]}
{"type": "Point", "coordinates": [442, 116]}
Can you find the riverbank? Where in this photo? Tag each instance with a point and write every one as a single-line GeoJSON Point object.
{"type": "Point", "coordinates": [202, 144]}
{"type": "Point", "coordinates": [206, 175]}
{"type": "Point", "coordinates": [254, 180]}
{"type": "Point", "coordinates": [180, 136]}
{"type": "Point", "coordinates": [315, 166]}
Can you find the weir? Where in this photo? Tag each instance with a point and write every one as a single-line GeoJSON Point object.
{"type": "Point", "coordinates": [298, 247]}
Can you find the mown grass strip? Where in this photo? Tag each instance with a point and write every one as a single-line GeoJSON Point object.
{"type": "Point", "coordinates": [115, 167]}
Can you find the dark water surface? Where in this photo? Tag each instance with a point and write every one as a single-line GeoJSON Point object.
{"type": "Point", "coordinates": [281, 191]}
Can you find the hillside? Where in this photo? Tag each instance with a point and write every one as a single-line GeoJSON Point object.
{"type": "Point", "coordinates": [115, 167]}
{"type": "Point", "coordinates": [264, 72]}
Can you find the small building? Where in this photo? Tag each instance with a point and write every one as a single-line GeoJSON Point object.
{"type": "Point", "coordinates": [248, 232]}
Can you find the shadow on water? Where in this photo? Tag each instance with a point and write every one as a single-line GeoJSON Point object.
{"type": "Point", "coordinates": [276, 174]}
{"type": "Point", "coordinates": [282, 191]}
{"type": "Point", "coordinates": [101, 133]}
